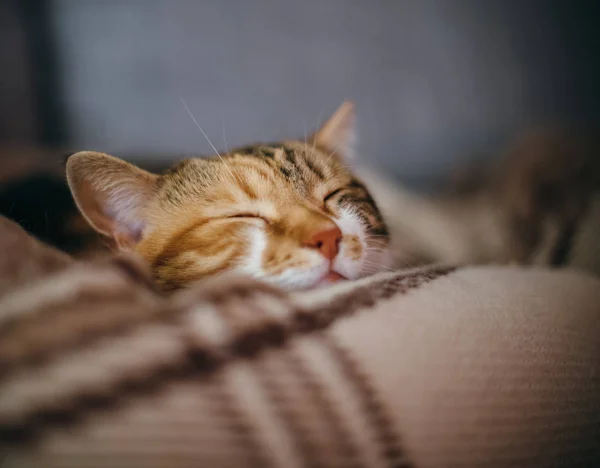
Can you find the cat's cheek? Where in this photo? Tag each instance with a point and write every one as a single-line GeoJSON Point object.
{"type": "Point", "coordinates": [309, 275]}
{"type": "Point", "coordinates": [350, 258]}
{"type": "Point", "coordinates": [251, 263]}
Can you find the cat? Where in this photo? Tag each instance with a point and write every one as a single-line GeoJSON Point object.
{"type": "Point", "coordinates": [290, 213]}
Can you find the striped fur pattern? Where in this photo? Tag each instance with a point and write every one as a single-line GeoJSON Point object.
{"type": "Point", "coordinates": [256, 210]}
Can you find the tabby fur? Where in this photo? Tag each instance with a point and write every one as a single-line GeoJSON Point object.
{"type": "Point", "coordinates": [290, 213]}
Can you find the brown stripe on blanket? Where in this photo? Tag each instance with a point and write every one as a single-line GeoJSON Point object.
{"type": "Point", "coordinates": [199, 354]}
{"type": "Point", "coordinates": [109, 277]}
{"type": "Point", "coordinates": [24, 259]}
{"type": "Point", "coordinates": [310, 382]}
{"type": "Point", "coordinates": [73, 410]}
{"type": "Point", "coordinates": [375, 411]}
{"type": "Point", "coordinates": [227, 407]}
{"type": "Point", "coordinates": [73, 309]}
{"type": "Point", "coordinates": [270, 373]}
{"type": "Point", "coordinates": [101, 302]}
{"type": "Point", "coordinates": [73, 320]}
{"type": "Point", "coordinates": [319, 315]}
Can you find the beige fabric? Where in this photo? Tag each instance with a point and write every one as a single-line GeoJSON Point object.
{"type": "Point", "coordinates": [23, 259]}
{"type": "Point", "coordinates": [426, 368]}
{"type": "Point", "coordinates": [478, 230]}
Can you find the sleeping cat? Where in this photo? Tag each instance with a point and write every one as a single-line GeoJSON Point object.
{"type": "Point", "coordinates": [291, 213]}
{"type": "Point", "coordinates": [294, 214]}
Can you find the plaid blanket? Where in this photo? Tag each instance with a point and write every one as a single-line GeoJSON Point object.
{"type": "Point", "coordinates": [438, 366]}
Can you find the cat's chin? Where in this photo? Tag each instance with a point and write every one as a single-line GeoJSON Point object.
{"type": "Point", "coordinates": [331, 278]}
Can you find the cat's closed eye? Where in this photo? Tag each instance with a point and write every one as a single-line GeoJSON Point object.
{"type": "Point", "coordinates": [332, 194]}
{"type": "Point", "coordinates": [250, 216]}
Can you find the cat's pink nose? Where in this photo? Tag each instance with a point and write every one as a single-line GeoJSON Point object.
{"type": "Point", "coordinates": [326, 242]}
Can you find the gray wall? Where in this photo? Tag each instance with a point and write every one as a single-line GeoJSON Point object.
{"type": "Point", "coordinates": [434, 81]}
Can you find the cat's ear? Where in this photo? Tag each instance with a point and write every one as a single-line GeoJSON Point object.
{"type": "Point", "coordinates": [111, 194]}
{"type": "Point", "coordinates": [338, 134]}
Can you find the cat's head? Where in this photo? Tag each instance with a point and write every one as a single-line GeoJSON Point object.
{"type": "Point", "coordinates": [291, 213]}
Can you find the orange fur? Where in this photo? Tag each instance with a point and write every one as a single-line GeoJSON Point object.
{"type": "Point", "coordinates": [208, 216]}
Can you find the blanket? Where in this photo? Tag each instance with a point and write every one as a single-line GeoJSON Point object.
{"type": "Point", "coordinates": [437, 366]}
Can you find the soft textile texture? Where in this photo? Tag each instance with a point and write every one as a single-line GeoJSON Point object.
{"type": "Point", "coordinates": [431, 367]}
{"type": "Point", "coordinates": [480, 229]}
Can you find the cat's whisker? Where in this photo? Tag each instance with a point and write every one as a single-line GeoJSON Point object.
{"type": "Point", "coordinates": [368, 262]}
{"type": "Point", "coordinates": [379, 242]}
{"type": "Point", "coordinates": [380, 239]}
{"type": "Point", "coordinates": [375, 252]}
{"type": "Point", "coordinates": [330, 155]}
{"type": "Point", "coordinates": [187, 109]}
{"type": "Point", "coordinates": [375, 267]}
{"type": "Point", "coordinates": [378, 266]}
{"type": "Point", "coordinates": [383, 240]}
{"type": "Point", "coordinates": [378, 248]}
{"type": "Point", "coordinates": [372, 251]}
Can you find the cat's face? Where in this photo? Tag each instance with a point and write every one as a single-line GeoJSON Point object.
{"type": "Point", "coordinates": [291, 213]}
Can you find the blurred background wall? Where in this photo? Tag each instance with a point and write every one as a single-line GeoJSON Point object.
{"type": "Point", "coordinates": [435, 82]}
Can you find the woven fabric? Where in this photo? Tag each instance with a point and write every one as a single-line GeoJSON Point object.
{"type": "Point", "coordinates": [429, 367]}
